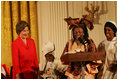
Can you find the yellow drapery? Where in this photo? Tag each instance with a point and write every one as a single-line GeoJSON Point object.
{"type": "Point", "coordinates": [11, 13]}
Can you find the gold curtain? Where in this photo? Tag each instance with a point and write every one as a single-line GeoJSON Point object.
{"type": "Point", "coordinates": [11, 13]}
{"type": "Point", "coordinates": [6, 33]}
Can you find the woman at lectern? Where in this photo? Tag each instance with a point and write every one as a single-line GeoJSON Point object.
{"type": "Point", "coordinates": [80, 43]}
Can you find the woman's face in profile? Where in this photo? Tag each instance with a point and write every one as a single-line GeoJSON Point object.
{"type": "Point", "coordinates": [24, 33]}
{"type": "Point", "coordinates": [78, 32]}
{"type": "Point", "coordinates": [109, 33]}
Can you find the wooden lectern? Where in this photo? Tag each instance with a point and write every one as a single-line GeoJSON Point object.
{"type": "Point", "coordinates": [83, 57]}
{"type": "Point", "coordinates": [88, 56]}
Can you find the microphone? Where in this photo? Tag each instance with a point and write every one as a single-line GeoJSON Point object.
{"type": "Point", "coordinates": [81, 41]}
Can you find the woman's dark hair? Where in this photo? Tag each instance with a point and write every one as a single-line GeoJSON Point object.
{"type": "Point", "coordinates": [21, 26]}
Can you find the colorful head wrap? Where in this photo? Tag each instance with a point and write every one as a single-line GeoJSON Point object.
{"type": "Point", "coordinates": [83, 22]}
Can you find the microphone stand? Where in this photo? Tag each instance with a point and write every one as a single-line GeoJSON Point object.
{"type": "Point", "coordinates": [82, 63]}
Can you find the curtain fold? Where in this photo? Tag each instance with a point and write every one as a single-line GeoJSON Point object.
{"type": "Point", "coordinates": [11, 13]}
{"type": "Point", "coordinates": [24, 11]}
{"type": "Point", "coordinates": [15, 17]}
{"type": "Point", "coordinates": [33, 22]}
{"type": "Point", "coordinates": [6, 34]}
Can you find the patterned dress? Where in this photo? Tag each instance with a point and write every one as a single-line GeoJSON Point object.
{"type": "Point", "coordinates": [74, 70]}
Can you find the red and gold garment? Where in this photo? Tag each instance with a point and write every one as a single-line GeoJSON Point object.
{"type": "Point", "coordinates": [74, 68]}
{"type": "Point", "coordinates": [24, 58]}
